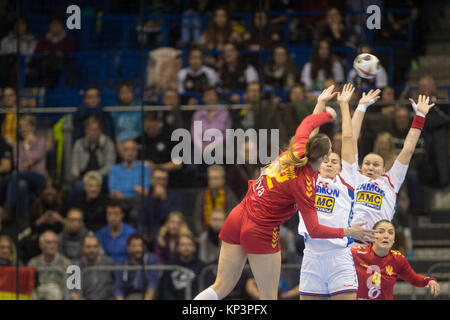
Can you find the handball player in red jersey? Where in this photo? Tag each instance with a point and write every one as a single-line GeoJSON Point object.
{"type": "Point", "coordinates": [251, 230]}
{"type": "Point", "coordinates": [378, 267]}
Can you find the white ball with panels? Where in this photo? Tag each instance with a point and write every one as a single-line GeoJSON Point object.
{"type": "Point", "coordinates": [366, 65]}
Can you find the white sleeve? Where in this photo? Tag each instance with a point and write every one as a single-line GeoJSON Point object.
{"type": "Point", "coordinates": [305, 78]}
{"type": "Point", "coordinates": [213, 77]}
{"type": "Point", "coordinates": [181, 76]}
{"type": "Point", "coordinates": [382, 78]}
{"type": "Point", "coordinates": [397, 174]}
{"type": "Point", "coordinates": [349, 172]}
{"type": "Point", "coordinates": [251, 75]}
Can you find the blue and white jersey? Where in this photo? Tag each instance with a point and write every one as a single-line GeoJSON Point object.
{"type": "Point", "coordinates": [334, 204]}
{"type": "Point", "coordinates": [376, 199]}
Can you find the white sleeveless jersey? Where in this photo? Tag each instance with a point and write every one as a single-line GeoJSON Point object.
{"type": "Point", "coordinates": [334, 203]}
{"type": "Point", "coordinates": [376, 199]}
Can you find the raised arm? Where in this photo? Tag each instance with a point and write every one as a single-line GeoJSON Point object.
{"type": "Point", "coordinates": [422, 108]}
{"type": "Point", "coordinates": [347, 153]}
{"type": "Point", "coordinates": [365, 101]}
{"type": "Point", "coordinates": [322, 99]}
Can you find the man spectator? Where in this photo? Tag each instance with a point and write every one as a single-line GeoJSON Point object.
{"type": "Point", "coordinates": [92, 202]}
{"type": "Point", "coordinates": [129, 180]}
{"type": "Point", "coordinates": [135, 285]}
{"type": "Point", "coordinates": [95, 284]}
{"type": "Point", "coordinates": [216, 195]}
{"type": "Point", "coordinates": [92, 107]}
{"type": "Point", "coordinates": [51, 282]}
{"type": "Point", "coordinates": [155, 144]}
{"type": "Point", "coordinates": [94, 152]}
{"type": "Point", "coordinates": [5, 167]}
{"type": "Point", "coordinates": [8, 51]}
{"type": "Point", "coordinates": [157, 205]}
{"type": "Point", "coordinates": [73, 234]}
{"type": "Point", "coordinates": [436, 134]}
{"type": "Point", "coordinates": [234, 73]}
{"type": "Point", "coordinates": [114, 236]}
{"type": "Point", "coordinates": [209, 243]}
{"type": "Point", "coordinates": [174, 282]}
{"type": "Point", "coordinates": [55, 48]}
{"type": "Point", "coordinates": [127, 125]}
{"type": "Point", "coordinates": [335, 31]}
{"type": "Point", "coordinates": [196, 77]}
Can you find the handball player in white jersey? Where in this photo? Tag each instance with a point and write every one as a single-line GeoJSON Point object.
{"type": "Point", "coordinates": [376, 190]}
{"type": "Point", "coordinates": [328, 270]}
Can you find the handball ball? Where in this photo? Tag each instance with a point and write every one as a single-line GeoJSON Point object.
{"type": "Point", "coordinates": [366, 65]}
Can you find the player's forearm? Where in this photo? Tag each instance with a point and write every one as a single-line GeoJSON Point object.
{"type": "Point", "coordinates": [347, 152]}
{"type": "Point", "coordinates": [411, 140]}
{"type": "Point", "coordinates": [358, 117]}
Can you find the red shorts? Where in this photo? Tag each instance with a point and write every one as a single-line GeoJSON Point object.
{"type": "Point", "coordinates": [254, 239]}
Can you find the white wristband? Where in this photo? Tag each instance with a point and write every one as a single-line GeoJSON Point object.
{"type": "Point", "coordinates": [363, 107]}
{"type": "Point", "coordinates": [414, 105]}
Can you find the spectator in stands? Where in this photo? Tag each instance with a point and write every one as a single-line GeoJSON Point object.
{"type": "Point", "coordinates": [9, 120]}
{"type": "Point", "coordinates": [92, 107]}
{"type": "Point", "coordinates": [280, 72]}
{"type": "Point", "coordinates": [8, 50]}
{"type": "Point", "coordinates": [93, 152]}
{"type": "Point", "coordinates": [301, 102]}
{"type": "Point", "coordinates": [191, 22]}
{"type": "Point", "coordinates": [196, 77]}
{"type": "Point", "coordinates": [387, 96]}
{"type": "Point", "coordinates": [321, 66]}
{"type": "Point", "coordinates": [234, 73]}
{"type": "Point", "coordinates": [127, 125]}
{"type": "Point", "coordinates": [55, 48]}
{"type": "Point", "coordinates": [384, 146]}
{"type": "Point", "coordinates": [70, 240]}
{"type": "Point", "coordinates": [240, 173]}
{"type": "Point", "coordinates": [380, 81]}
{"type": "Point", "coordinates": [173, 282]}
{"type": "Point", "coordinates": [151, 33]}
{"type": "Point", "coordinates": [157, 205]}
{"type": "Point", "coordinates": [32, 172]}
{"type": "Point", "coordinates": [174, 118]}
{"type": "Point", "coordinates": [92, 202]}
{"type": "Point", "coordinates": [219, 31]}
{"type": "Point", "coordinates": [8, 252]}
{"type": "Point", "coordinates": [114, 236]}
{"type": "Point", "coordinates": [169, 235]}
{"type": "Point", "coordinates": [261, 25]}
{"type": "Point", "coordinates": [206, 119]}
{"type": "Point", "coordinates": [133, 285]}
{"type": "Point", "coordinates": [216, 195]}
{"type": "Point", "coordinates": [155, 145]}
{"type": "Point", "coordinates": [95, 284]}
{"type": "Point", "coordinates": [51, 284]}
{"type": "Point", "coordinates": [209, 243]}
{"type": "Point", "coordinates": [129, 180]}
{"type": "Point", "coordinates": [436, 133]}
{"type": "Point", "coordinates": [402, 218]}
{"type": "Point", "coordinates": [335, 31]}
{"type": "Point", "coordinates": [5, 167]}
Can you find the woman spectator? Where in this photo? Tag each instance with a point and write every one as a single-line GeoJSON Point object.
{"type": "Point", "coordinates": [31, 172]}
{"type": "Point", "coordinates": [322, 66]}
{"type": "Point", "coordinates": [210, 119]}
{"type": "Point", "coordinates": [234, 73]}
{"type": "Point", "coordinates": [280, 72]}
{"type": "Point", "coordinates": [8, 252]}
{"type": "Point", "coordinates": [168, 235]}
{"type": "Point", "coordinates": [219, 31]}
{"type": "Point", "coordinates": [260, 25]}
{"type": "Point", "coordinates": [384, 146]}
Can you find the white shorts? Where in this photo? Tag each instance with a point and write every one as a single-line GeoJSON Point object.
{"type": "Point", "coordinates": [328, 274]}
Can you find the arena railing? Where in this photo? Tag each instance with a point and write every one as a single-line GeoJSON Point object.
{"type": "Point", "coordinates": [185, 271]}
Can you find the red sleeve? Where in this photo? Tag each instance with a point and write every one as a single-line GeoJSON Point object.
{"type": "Point", "coordinates": [409, 275]}
{"type": "Point", "coordinates": [305, 194]}
{"type": "Point", "coordinates": [307, 126]}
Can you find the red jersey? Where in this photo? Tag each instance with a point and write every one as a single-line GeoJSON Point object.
{"type": "Point", "coordinates": [279, 192]}
{"type": "Point", "coordinates": [377, 275]}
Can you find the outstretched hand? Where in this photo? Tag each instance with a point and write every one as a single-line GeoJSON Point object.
{"type": "Point", "coordinates": [327, 94]}
{"type": "Point", "coordinates": [346, 94]}
{"type": "Point", "coordinates": [370, 97]}
{"type": "Point", "coordinates": [422, 105]}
